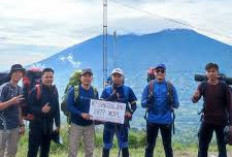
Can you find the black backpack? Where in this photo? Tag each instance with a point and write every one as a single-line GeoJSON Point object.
{"type": "Point", "coordinates": [150, 74]}
{"type": "Point", "coordinates": [4, 77]}
{"type": "Point", "coordinates": [31, 80]}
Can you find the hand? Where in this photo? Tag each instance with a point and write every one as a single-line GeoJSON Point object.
{"type": "Point", "coordinates": [128, 115]}
{"type": "Point", "coordinates": [117, 95]}
{"type": "Point", "coordinates": [22, 130]}
{"type": "Point", "coordinates": [86, 116]}
{"type": "Point", "coordinates": [196, 94]}
{"type": "Point", "coordinates": [46, 108]}
{"type": "Point", "coordinates": [17, 100]}
{"type": "Point", "coordinates": [113, 97]}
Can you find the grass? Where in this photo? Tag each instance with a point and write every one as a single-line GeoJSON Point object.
{"type": "Point", "coordinates": [137, 143]}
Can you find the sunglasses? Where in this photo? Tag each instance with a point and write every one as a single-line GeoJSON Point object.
{"type": "Point", "coordinates": [160, 71]}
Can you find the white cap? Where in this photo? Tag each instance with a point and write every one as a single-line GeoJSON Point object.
{"type": "Point", "coordinates": [117, 71]}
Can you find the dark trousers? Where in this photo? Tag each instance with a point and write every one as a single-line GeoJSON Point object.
{"type": "Point", "coordinates": [38, 139]}
{"type": "Point", "coordinates": [205, 136]}
{"type": "Point", "coordinates": [121, 132]}
{"type": "Point", "coordinates": [152, 133]}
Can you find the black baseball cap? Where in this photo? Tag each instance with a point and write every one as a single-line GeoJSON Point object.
{"type": "Point", "coordinates": [17, 67]}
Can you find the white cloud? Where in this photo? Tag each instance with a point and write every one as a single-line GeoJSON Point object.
{"type": "Point", "coordinates": [69, 58]}
{"type": "Point", "coordinates": [23, 54]}
{"type": "Point", "coordinates": [6, 59]}
{"type": "Point", "coordinates": [62, 23]}
{"type": "Point", "coordinates": [210, 15]}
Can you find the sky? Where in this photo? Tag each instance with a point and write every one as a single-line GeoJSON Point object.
{"type": "Point", "coordinates": [32, 30]}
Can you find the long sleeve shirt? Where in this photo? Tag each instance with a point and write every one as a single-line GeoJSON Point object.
{"type": "Point", "coordinates": [159, 111]}
{"type": "Point", "coordinates": [81, 105]}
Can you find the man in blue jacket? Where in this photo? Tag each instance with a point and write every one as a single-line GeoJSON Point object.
{"type": "Point", "coordinates": [160, 99]}
{"type": "Point", "coordinates": [118, 92]}
{"type": "Point", "coordinates": [81, 125]}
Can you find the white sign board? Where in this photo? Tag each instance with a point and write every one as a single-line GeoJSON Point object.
{"type": "Point", "coordinates": [107, 111]}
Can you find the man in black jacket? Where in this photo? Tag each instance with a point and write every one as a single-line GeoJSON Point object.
{"type": "Point", "coordinates": [44, 106]}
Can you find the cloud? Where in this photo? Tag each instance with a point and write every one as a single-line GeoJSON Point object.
{"type": "Point", "coordinates": [63, 23]}
{"type": "Point", "coordinates": [7, 60]}
{"type": "Point", "coordinates": [23, 54]}
{"type": "Point", "coordinates": [69, 58]}
{"type": "Point", "coordinates": [210, 15]}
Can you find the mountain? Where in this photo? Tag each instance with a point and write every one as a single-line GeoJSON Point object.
{"type": "Point", "coordinates": [185, 52]}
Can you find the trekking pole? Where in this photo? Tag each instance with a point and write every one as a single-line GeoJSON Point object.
{"type": "Point", "coordinates": [119, 151]}
{"type": "Point", "coordinates": [123, 129]}
{"type": "Point", "coordinates": [173, 124]}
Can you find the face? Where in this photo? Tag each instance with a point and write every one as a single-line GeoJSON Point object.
{"type": "Point", "coordinates": [86, 79]}
{"type": "Point", "coordinates": [160, 74]}
{"type": "Point", "coordinates": [47, 78]}
{"type": "Point", "coordinates": [17, 76]}
{"type": "Point", "coordinates": [212, 74]}
{"type": "Point", "coordinates": [117, 79]}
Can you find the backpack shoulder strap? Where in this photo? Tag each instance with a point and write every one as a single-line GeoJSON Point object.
{"type": "Point", "coordinates": [55, 91]}
{"type": "Point", "coordinates": [38, 89]}
{"type": "Point", "coordinates": [151, 87]}
{"type": "Point", "coordinates": [170, 88]}
{"type": "Point", "coordinates": [229, 101]}
{"type": "Point", "coordinates": [76, 92]}
{"type": "Point", "coordinates": [170, 94]}
{"type": "Point", "coordinates": [203, 86]}
{"type": "Point", "coordinates": [169, 85]}
{"type": "Point", "coordinates": [126, 92]}
{"type": "Point", "coordinates": [109, 89]}
{"type": "Point", "coordinates": [67, 88]}
{"type": "Point", "coordinates": [228, 89]}
{"type": "Point", "coordinates": [224, 85]}
{"type": "Point", "coordinates": [95, 91]}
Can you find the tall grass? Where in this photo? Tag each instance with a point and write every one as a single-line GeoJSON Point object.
{"type": "Point", "coordinates": [137, 142]}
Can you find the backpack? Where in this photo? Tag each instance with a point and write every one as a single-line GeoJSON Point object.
{"type": "Point", "coordinates": [31, 80]}
{"type": "Point", "coordinates": [170, 100]}
{"type": "Point", "coordinates": [228, 135]}
{"type": "Point", "coordinates": [74, 81]}
{"type": "Point", "coordinates": [109, 81]}
{"type": "Point", "coordinates": [4, 77]}
{"type": "Point", "coordinates": [150, 74]}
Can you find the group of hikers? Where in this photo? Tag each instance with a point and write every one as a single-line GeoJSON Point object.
{"type": "Point", "coordinates": [40, 106]}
